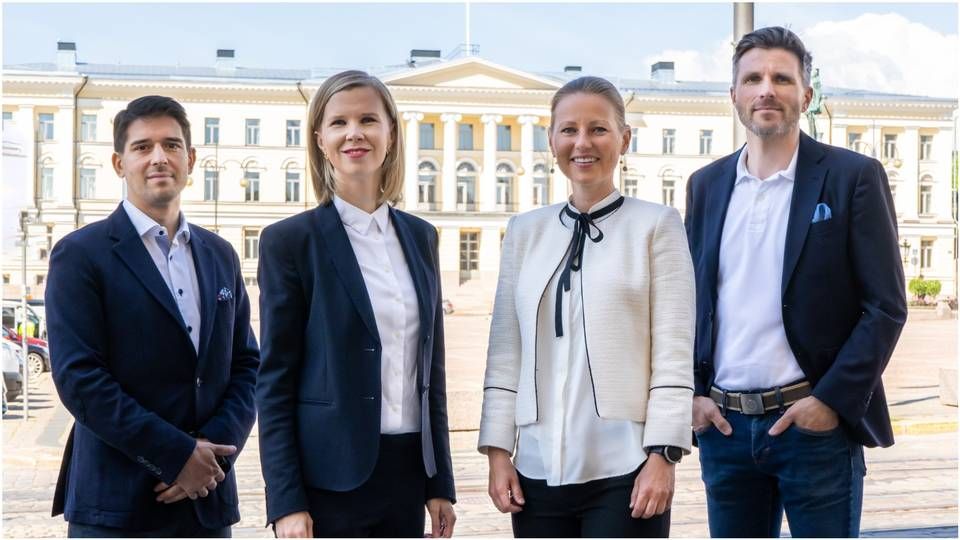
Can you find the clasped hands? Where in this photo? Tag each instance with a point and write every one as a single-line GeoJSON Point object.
{"type": "Point", "coordinates": [199, 475]}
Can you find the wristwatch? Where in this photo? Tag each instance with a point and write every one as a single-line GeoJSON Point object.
{"type": "Point", "coordinates": [673, 454]}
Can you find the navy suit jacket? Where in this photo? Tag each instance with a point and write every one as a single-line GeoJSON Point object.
{"type": "Point", "coordinates": [126, 369]}
{"type": "Point", "coordinates": [318, 389]}
{"type": "Point", "coordinates": [843, 298]}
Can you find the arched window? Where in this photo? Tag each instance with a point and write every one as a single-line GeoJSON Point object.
{"type": "Point", "coordinates": [466, 186]}
{"type": "Point", "coordinates": [505, 180]}
{"type": "Point", "coordinates": [541, 185]}
{"type": "Point", "coordinates": [631, 183]}
{"type": "Point", "coordinates": [427, 186]}
{"type": "Point", "coordinates": [668, 184]}
{"type": "Point", "coordinates": [926, 195]}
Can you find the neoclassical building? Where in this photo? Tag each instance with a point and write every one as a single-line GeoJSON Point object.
{"type": "Point", "coordinates": [477, 152]}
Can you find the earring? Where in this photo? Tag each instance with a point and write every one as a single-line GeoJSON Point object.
{"type": "Point", "coordinates": [551, 165]}
{"type": "Point", "coordinates": [623, 166]}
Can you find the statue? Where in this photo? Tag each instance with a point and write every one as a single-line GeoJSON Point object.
{"type": "Point", "coordinates": [816, 103]}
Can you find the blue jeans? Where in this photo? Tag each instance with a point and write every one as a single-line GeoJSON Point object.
{"type": "Point", "coordinates": [752, 478]}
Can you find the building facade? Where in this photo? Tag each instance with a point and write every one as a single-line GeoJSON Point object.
{"type": "Point", "coordinates": [476, 153]}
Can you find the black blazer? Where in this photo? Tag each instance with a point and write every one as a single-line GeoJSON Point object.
{"type": "Point", "coordinates": [125, 367]}
{"type": "Point", "coordinates": [843, 296]}
{"type": "Point", "coordinates": [318, 390]}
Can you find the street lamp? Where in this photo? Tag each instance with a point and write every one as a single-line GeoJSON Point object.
{"type": "Point", "coordinates": [905, 250]}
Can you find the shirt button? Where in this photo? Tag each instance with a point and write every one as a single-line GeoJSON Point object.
{"type": "Point", "coordinates": [180, 291]}
{"type": "Point", "coordinates": [189, 329]}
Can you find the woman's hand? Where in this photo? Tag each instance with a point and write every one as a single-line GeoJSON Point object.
{"type": "Point", "coordinates": [295, 525]}
{"type": "Point", "coordinates": [442, 518]}
{"type": "Point", "coordinates": [504, 486]}
{"type": "Point", "coordinates": [653, 488]}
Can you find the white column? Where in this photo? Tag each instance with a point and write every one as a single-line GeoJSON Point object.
{"type": "Point", "coordinates": [66, 166]}
{"type": "Point", "coordinates": [908, 192]}
{"type": "Point", "coordinates": [448, 193]}
{"type": "Point", "coordinates": [525, 196]}
{"type": "Point", "coordinates": [25, 120]}
{"type": "Point", "coordinates": [488, 178]}
{"type": "Point", "coordinates": [558, 185]}
{"type": "Point", "coordinates": [412, 157]}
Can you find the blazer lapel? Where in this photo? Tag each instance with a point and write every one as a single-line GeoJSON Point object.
{"type": "Point", "coordinates": [206, 265]}
{"type": "Point", "coordinates": [807, 186]}
{"type": "Point", "coordinates": [130, 249]}
{"type": "Point", "coordinates": [332, 232]}
{"type": "Point", "coordinates": [425, 294]}
{"type": "Point", "coordinates": [716, 214]}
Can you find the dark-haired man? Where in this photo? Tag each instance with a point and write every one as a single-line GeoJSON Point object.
{"type": "Point", "coordinates": [151, 350]}
{"type": "Point", "coordinates": [800, 302]}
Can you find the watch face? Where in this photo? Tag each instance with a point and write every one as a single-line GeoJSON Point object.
{"type": "Point", "coordinates": [673, 454]}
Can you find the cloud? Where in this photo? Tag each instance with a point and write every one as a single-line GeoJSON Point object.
{"type": "Point", "coordinates": [878, 52]}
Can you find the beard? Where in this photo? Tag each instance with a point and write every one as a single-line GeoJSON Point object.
{"type": "Point", "coordinates": [789, 122]}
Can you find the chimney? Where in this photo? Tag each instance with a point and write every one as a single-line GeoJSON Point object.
{"type": "Point", "coordinates": [419, 57]}
{"type": "Point", "coordinates": [225, 62]}
{"type": "Point", "coordinates": [662, 72]}
{"type": "Point", "coordinates": [66, 56]}
{"type": "Point", "coordinates": [572, 69]}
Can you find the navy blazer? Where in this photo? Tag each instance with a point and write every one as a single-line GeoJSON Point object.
{"type": "Point", "coordinates": [318, 389]}
{"type": "Point", "coordinates": [126, 369]}
{"type": "Point", "coordinates": [843, 296]}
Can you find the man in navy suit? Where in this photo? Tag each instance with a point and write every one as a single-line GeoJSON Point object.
{"type": "Point", "coordinates": [800, 302]}
{"type": "Point", "coordinates": [151, 350]}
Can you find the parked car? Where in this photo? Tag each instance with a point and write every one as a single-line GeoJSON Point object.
{"type": "Point", "coordinates": [12, 363]}
{"type": "Point", "coordinates": [38, 307]}
{"type": "Point", "coordinates": [36, 326]}
{"type": "Point", "coordinates": [38, 353]}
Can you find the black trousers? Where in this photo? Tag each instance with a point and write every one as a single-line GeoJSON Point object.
{"type": "Point", "coordinates": [595, 509]}
{"type": "Point", "coordinates": [390, 504]}
{"type": "Point", "coordinates": [183, 524]}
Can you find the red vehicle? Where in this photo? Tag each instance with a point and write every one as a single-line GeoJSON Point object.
{"type": "Point", "coordinates": [38, 354]}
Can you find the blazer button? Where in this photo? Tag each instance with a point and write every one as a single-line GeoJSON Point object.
{"type": "Point", "coordinates": [199, 382]}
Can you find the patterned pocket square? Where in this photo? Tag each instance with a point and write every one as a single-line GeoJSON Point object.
{"type": "Point", "coordinates": [224, 295]}
{"type": "Point", "coordinates": [821, 213]}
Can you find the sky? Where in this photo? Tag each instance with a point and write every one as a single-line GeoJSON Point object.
{"type": "Point", "coordinates": [909, 48]}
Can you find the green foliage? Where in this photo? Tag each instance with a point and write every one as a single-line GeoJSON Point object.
{"type": "Point", "coordinates": [922, 288]}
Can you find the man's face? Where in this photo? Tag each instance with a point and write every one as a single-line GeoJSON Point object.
{"type": "Point", "coordinates": [155, 162]}
{"type": "Point", "coordinates": [769, 93]}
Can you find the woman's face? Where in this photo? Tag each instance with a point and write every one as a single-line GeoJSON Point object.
{"type": "Point", "coordinates": [586, 138]}
{"type": "Point", "coordinates": [355, 133]}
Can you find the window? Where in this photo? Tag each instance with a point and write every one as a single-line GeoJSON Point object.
{"type": "Point", "coordinates": [505, 177]}
{"type": "Point", "coordinates": [293, 133]}
{"type": "Point", "coordinates": [252, 189]}
{"type": "Point", "coordinates": [706, 142]}
{"type": "Point", "coordinates": [427, 185]}
{"type": "Point", "coordinates": [251, 281]}
{"type": "Point", "coordinates": [88, 183]}
{"type": "Point", "coordinates": [46, 126]}
{"type": "Point", "coordinates": [503, 138]}
{"type": "Point", "coordinates": [40, 279]}
{"type": "Point", "coordinates": [926, 195]}
{"type": "Point", "coordinates": [253, 132]}
{"type": "Point", "coordinates": [634, 140]}
{"type": "Point", "coordinates": [88, 127]}
{"type": "Point", "coordinates": [669, 136]}
{"type": "Point", "coordinates": [853, 141]}
{"type": "Point", "coordinates": [466, 187]}
{"type": "Point", "coordinates": [6, 279]}
{"type": "Point", "coordinates": [926, 147]}
{"type": "Point", "coordinates": [46, 183]}
{"type": "Point", "coordinates": [541, 185]}
{"type": "Point", "coordinates": [251, 243]}
{"type": "Point", "coordinates": [540, 143]}
{"type": "Point", "coordinates": [427, 133]}
{"type": "Point", "coordinates": [211, 131]}
{"type": "Point", "coordinates": [926, 254]}
{"type": "Point", "coordinates": [211, 184]}
{"type": "Point", "coordinates": [631, 182]}
{"type": "Point", "coordinates": [469, 254]}
{"type": "Point", "coordinates": [669, 190]}
{"type": "Point", "coordinates": [7, 118]}
{"type": "Point", "coordinates": [889, 146]}
{"type": "Point", "coordinates": [465, 140]}
{"type": "Point", "coordinates": [293, 186]}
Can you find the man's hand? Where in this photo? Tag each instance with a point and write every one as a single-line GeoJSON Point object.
{"type": "Point", "coordinates": [808, 413]}
{"type": "Point", "coordinates": [504, 485]}
{"type": "Point", "coordinates": [201, 470]}
{"type": "Point", "coordinates": [295, 525]}
{"type": "Point", "coordinates": [169, 494]}
{"type": "Point", "coordinates": [442, 518]}
{"type": "Point", "coordinates": [653, 488]}
{"type": "Point", "coordinates": [706, 412]}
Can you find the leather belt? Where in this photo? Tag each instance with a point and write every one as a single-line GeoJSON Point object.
{"type": "Point", "coordinates": [760, 402]}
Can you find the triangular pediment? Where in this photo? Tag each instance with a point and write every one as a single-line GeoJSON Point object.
{"type": "Point", "coordinates": [471, 72]}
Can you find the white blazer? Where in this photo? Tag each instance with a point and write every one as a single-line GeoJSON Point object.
{"type": "Point", "coordinates": [638, 306]}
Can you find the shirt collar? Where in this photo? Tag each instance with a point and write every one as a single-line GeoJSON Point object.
{"type": "Point", "coordinates": [358, 219]}
{"type": "Point", "coordinates": [606, 201]}
{"type": "Point", "coordinates": [790, 173]}
{"type": "Point", "coordinates": [145, 224]}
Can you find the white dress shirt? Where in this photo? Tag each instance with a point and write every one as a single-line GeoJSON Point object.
{"type": "Point", "coordinates": [752, 351]}
{"type": "Point", "coordinates": [174, 260]}
{"type": "Point", "coordinates": [395, 308]}
{"type": "Point", "coordinates": [564, 446]}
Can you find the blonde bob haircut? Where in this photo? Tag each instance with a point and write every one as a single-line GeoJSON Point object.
{"type": "Point", "coordinates": [321, 170]}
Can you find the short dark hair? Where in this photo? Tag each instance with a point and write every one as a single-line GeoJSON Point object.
{"type": "Point", "coordinates": [148, 107]}
{"type": "Point", "coordinates": [774, 37]}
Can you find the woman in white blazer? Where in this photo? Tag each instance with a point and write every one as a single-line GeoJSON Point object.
{"type": "Point", "coordinates": [589, 371]}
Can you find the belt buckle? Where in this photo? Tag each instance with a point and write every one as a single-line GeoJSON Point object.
{"type": "Point", "coordinates": [751, 404]}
